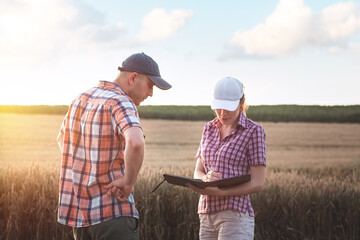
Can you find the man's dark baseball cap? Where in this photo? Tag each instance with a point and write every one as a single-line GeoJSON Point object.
{"type": "Point", "coordinates": [143, 64]}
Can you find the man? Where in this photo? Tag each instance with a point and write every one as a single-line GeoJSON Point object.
{"type": "Point", "coordinates": [102, 146]}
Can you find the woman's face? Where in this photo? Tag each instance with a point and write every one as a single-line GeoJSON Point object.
{"type": "Point", "coordinates": [228, 118]}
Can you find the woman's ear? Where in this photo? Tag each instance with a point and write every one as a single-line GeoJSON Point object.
{"type": "Point", "coordinates": [242, 101]}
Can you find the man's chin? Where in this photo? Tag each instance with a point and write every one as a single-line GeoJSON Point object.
{"type": "Point", "coordinates": [137, 103]}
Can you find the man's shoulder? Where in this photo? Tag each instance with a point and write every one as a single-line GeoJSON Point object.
{"type": "Point", "coordinates": [106, 96]}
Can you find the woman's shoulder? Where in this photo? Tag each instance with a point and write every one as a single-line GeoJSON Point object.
{"type": "Point", "coordinates": [254, 126]}
{"type": "Point", "coordinates": [210, 126]}
{"type": "Point", "coordinates": [211, 123]}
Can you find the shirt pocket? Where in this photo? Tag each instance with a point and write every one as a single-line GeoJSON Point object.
{"type": "Point", "coordinates": [234, 153]}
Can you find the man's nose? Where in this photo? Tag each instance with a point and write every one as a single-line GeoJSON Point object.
{"type": "Point", "coordinates": [150, 93]}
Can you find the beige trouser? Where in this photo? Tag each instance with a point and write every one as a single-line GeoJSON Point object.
{"type": "Point", "coordinates": [228, 224]}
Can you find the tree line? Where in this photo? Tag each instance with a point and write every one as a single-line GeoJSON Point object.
{"type": "Point", "coordinates": [262, 113]}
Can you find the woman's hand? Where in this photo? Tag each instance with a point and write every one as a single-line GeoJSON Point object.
{"type": "Point", "coordinates": [211, 176]}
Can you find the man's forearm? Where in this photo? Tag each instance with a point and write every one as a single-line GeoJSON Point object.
{"type": "Point", "coordinates": [134, 156]}
{"type": "Point", "coordinates": [60, 139]}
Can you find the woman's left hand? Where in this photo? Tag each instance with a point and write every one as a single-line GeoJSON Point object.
{"type": "Point", "coordinates": [211, 191]}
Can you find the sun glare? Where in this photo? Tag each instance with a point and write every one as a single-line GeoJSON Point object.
{"type": "Point", "coordinates": [13, 28]}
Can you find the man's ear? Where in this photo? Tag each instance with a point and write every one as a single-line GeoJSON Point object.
{"type": "Point", "coordinates": [132, 78]}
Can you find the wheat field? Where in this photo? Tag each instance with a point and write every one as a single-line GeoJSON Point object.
{"type": "Point", "coordinates": [32, 139]}
{"type": "Point", "coordinates": [312, 188]}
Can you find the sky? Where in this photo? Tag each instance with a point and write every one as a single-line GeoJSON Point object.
{"type": "Point", "coordinates": [283, 51]}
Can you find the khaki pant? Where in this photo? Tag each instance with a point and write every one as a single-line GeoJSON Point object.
{"type": "Point", "coordinates": [228, 224]}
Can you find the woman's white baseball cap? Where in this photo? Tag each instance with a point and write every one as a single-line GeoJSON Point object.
{"type": "Point", "coordinates": [227, 94]}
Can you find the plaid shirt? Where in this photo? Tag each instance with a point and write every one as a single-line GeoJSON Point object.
{"type": "Point", "coordinates": [92, 146]}
{"type": "Point", "coordinates": [234, 155]}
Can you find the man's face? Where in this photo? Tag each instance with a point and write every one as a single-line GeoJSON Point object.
{"type": "Point", "coordinates": [142, 89]}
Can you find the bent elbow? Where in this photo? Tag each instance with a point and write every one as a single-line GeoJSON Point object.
{"type": "Point", "coordinates": [258, 187]}
{"type": "Point", "coordinates": [136, 144]}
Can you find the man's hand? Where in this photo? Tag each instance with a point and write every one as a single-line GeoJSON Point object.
{"type": "Point", "coordinates": [119, 189]}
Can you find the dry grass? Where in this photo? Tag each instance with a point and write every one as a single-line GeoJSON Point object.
{"type": "Point", "coordinates": [29, 139]}
{"type": "Point", "coordinates": [312, 186]}
{"type": "Point", "coordinates": [32, 138]}
{"type": "Point", "coordinates": [292, 205]}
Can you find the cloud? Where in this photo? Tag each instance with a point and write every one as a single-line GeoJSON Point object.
{"type": "Point", "coordinates": [352, 48]}
{"type": "Point", "coordinates": [32, 32]}
{"type": "Point", "coordinates": [293, 26]}
{"type": "Point", "coordinates": [44, 28]}
{"type": "Point", "coordinates": [339, 21]}
{"type": "Point", "coordinates": [160, 24]}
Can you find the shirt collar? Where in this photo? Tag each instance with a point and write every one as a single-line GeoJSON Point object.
{"type": "Point", "coordinates": [112, 86]}
{"type": "Point", "coordinates": [242, 121]}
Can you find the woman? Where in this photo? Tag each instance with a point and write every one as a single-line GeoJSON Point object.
{"type": "Point", "coordinates": [231, 145]}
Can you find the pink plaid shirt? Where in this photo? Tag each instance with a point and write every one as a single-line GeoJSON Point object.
{"type": "Point", "coordinates": [234, 155]}
{"type": "Point", "coordinates": [92, 146]}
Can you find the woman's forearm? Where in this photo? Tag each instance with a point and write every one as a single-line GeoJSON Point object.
{"type": "Point", "coordinates": [255, 185]}
{"type": "Point", "coordinates": [243, 189]}
{"type": "Point", "coordinates": [199, 172]}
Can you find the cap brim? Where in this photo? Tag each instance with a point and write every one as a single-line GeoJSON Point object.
{"type": "Point", "coordinates": [160, 83]}
{"type": "Point", "coordinates": [225, 104]}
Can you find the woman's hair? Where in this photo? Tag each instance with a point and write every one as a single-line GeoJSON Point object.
{"type": "Point", "coordinates": [244, 106]}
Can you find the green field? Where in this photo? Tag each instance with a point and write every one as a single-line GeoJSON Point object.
{"type": "Point", "coordinates": [263, 113]}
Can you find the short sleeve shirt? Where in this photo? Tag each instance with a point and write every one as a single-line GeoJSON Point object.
{"type": "Point", "coordinates": [93, 155]}
{"type": "Point", "coordinates": [244, 147]}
